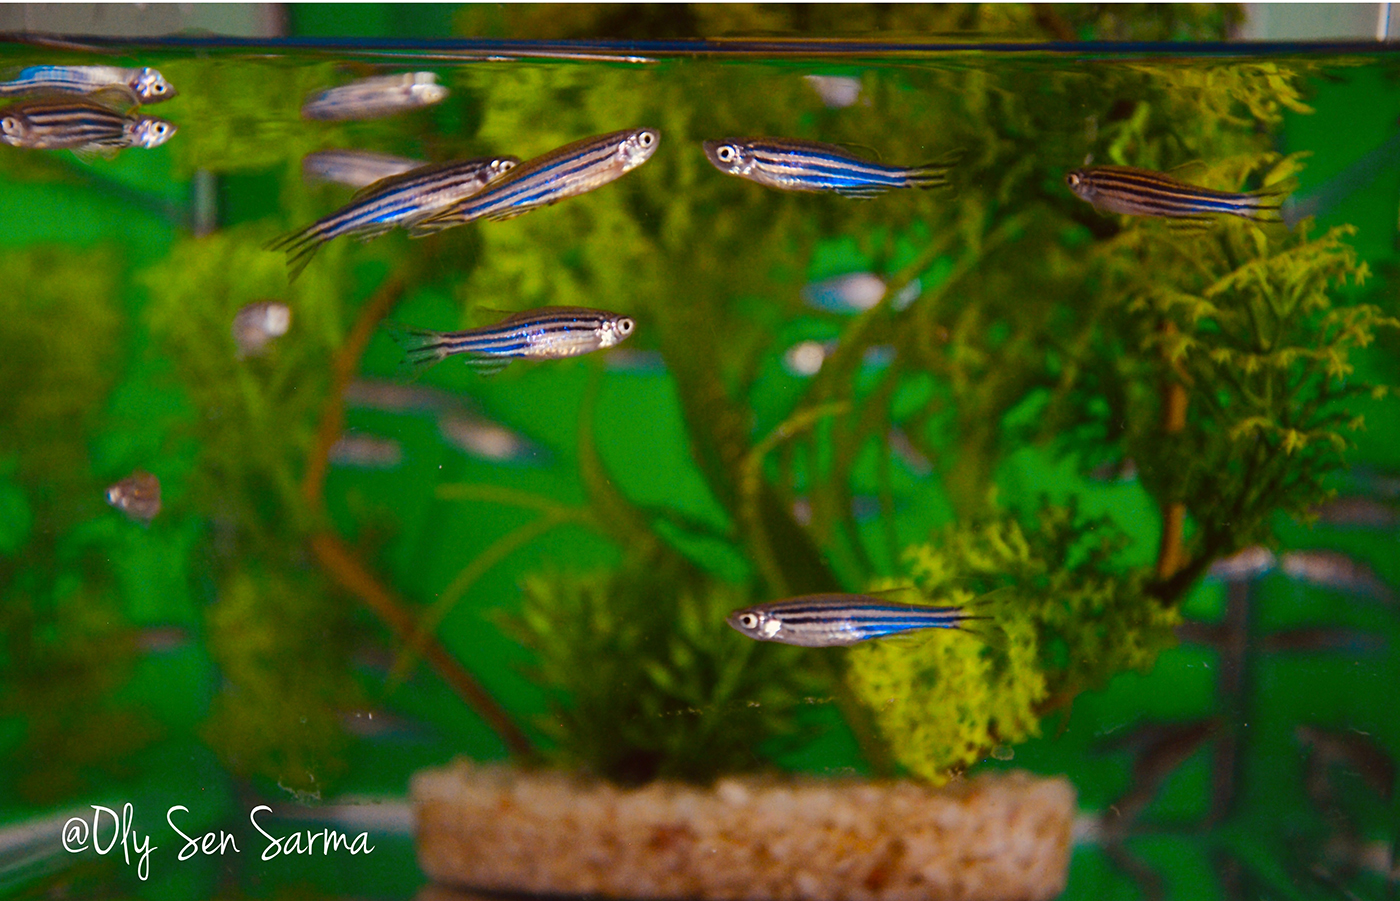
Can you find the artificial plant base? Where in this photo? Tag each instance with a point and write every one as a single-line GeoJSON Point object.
{"type": "Point", "coordinates": [994, 837]}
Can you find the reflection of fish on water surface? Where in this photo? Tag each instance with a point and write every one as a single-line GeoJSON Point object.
{"type": "Point", "coordinates": [255, 325]}
{"type": "Point", "coordinates": [371, 98]}
{"type": "Point", "coordinates": [354, 168]}
{"type": "Point", "coordinates": [145, 84]}
{"type": "Point", "coordinates": [791, 164]}
{"type": "Point", "coordinates": [1140, 192]}
{"type": "Point", "coordinates": [836, 620]}
{"type": "Point", "coordinates": [137, 495]}
{"type": "Point", "coordinates": [549, 333]}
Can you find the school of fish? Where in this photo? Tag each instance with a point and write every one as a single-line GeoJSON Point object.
{"type": "Point", "coordinates": [94, 110]}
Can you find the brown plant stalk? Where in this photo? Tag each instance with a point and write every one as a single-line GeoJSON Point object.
{"type": "Point", "coordinates": [345, 569]}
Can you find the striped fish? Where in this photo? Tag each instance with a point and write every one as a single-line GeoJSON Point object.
{"type": "Point", "coordinates": [354, 168]}
{"type": "Point", "coordinates": [835, 620]}
{"type": "Point", "coordinates": [789, 164]}
{"type": "Point", "coordinates": [146, 84]}
{"type": "Point", "coordinates": [567, 171]}
{"type": "Point", "coordinates": [398, 201]}
{"type": "Point", "coordinates": [1138, 192]}
{"type": "Point", "coordinates": [79, 124]}
{"type": "Point", "coordinates": [550, 333]}
{"type": "Point", "coordinates": [371, 98]}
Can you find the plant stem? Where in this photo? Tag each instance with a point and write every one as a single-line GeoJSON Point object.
{"type": "Point", "coordinates": [341, 564]}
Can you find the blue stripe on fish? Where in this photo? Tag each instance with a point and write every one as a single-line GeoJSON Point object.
{"type": "Point", "coordinates": [563, 172]}
{"type": "Point", "coordinates": [550, 333]}
{"type": "Point", "coordinates": [789, 164]}
{"type": "Point", "coordinates": [836, 620]}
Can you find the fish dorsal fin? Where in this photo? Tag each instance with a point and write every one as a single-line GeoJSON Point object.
{"type": "Point", "coordinates": [1190, 171]}
{"type": "Point", "coordinates": [388, 181]}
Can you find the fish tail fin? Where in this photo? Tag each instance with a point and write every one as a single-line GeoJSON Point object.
{"type": "Point", "coordinates": [1266, 204]}
{"type": "Point", "coordinates": [300, 246]}
{"type": "Point", "coordinates": [933, 174]}
{"type": "Point", "coordinates": [421, 347]}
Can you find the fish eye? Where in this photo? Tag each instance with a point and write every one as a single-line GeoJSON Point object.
{"type": "Point", "coordinates": [505, 165]}
{"type": "Point", "coordinates": [159, 88]}
{"type": "Point", "coordinates": [9, 125]}
{"type": "Point", "coordinates": [625, 326]}
{"type": "Point", "coordinates": [1073, 179]}
{"type": "Point", "coordinates": [646, 139]}
{"type": "Point", "coordinates": [726, 153]}
{"type": "Point", "coordinates": [748, 620]}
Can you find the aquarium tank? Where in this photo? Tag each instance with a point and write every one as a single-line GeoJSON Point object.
{"type": "Point", "coordinates": [314, 477]}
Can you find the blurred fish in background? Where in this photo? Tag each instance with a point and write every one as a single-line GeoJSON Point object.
{"type": "Point", "coordinates": [1243, 566]}
{"type": "Point", "coordinates": [137, 495]}
{"type": "Point", "coordinates": [360, 451]}
{"type": "Point", "coordinates": [836, 91]}
{"type": "Point", "coordinates": [257, 324]}
{"type": "Point", "coordinates": [376, 97]}
{"type": "Point", "coordinates": [1334, 570]}
{"type": "Point", "coordinates": [855, 293]}
{"type": "Point", "coordinates": [354, 168]}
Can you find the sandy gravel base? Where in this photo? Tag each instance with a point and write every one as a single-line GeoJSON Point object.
{"type": "Point", "coordinates": [999, 836]}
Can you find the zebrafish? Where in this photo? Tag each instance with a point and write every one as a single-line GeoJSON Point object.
{"type": "Point", "coordinates": [257, 324]}
{"type": "Point", "coordinates": [1358, 511]}
{"type": "Point", "coordinates": [836, 91]}
{"type": "Point", "coordinates": [487, 440]}
{"type": "Point", "coordinates": [146, 84]}
{"type": "Point", "coordinates": [354, 168]}
{"type": "Point", "coordinates": [79, 124]}
{"type": "Point", "coordinates": [365, 451]}
{"type": "Point", "coordinates": [371, 98]}
{"type": "Point", "coordinates": [856, 292]}
{"type": "Point", "coordinates": [789, 164]}
{"type": "Point", "coordinates": [835, 620]}
{"type": "Point", "coordinates": [393, 397]}
{"type": "Point", "coordinates": [1138, 192]}
{"type": "Point", "coordinates": [550, 333]}
{"type": "Point", "coordinates": [1334, 570]}
{"type": "Point", "coordinates": [1243, 566]}
{"type": "Point", "coordinates": [137, 495]}
{"type": "Point", "coordinates": [567, 171]}
{"type": "Point", "coordinates": [398, 201]}
{"type": "Point", "coordinates": [805, 358]}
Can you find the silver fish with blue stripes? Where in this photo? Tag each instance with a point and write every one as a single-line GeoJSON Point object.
{"type": "Point", "coordinates": [549, 333]}
{"type": "Point", "coordinates": [79, 124]}
{"type": "Point", "coordinates": [1141, 192]}
{"type": "Point", "coordinates": [838, 620]}
{"type": "Point", "coordinates": [395, 202]}
{"type": "Point", "coordinates": [354, 168]}
{"type": "Point", "coordinates": [789, 164]}
{"type": "Point", "coordinates": [373, 98]}
{"type": "Point", "coordinates": [566, 171]}
{"type": "Point", "coordinates": [146, 85]}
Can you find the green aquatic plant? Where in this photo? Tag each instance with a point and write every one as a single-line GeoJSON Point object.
{"type": "Point", "coordinates": [646, 681]}
{"type": "Point", "coordinates": [1063, 615]}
